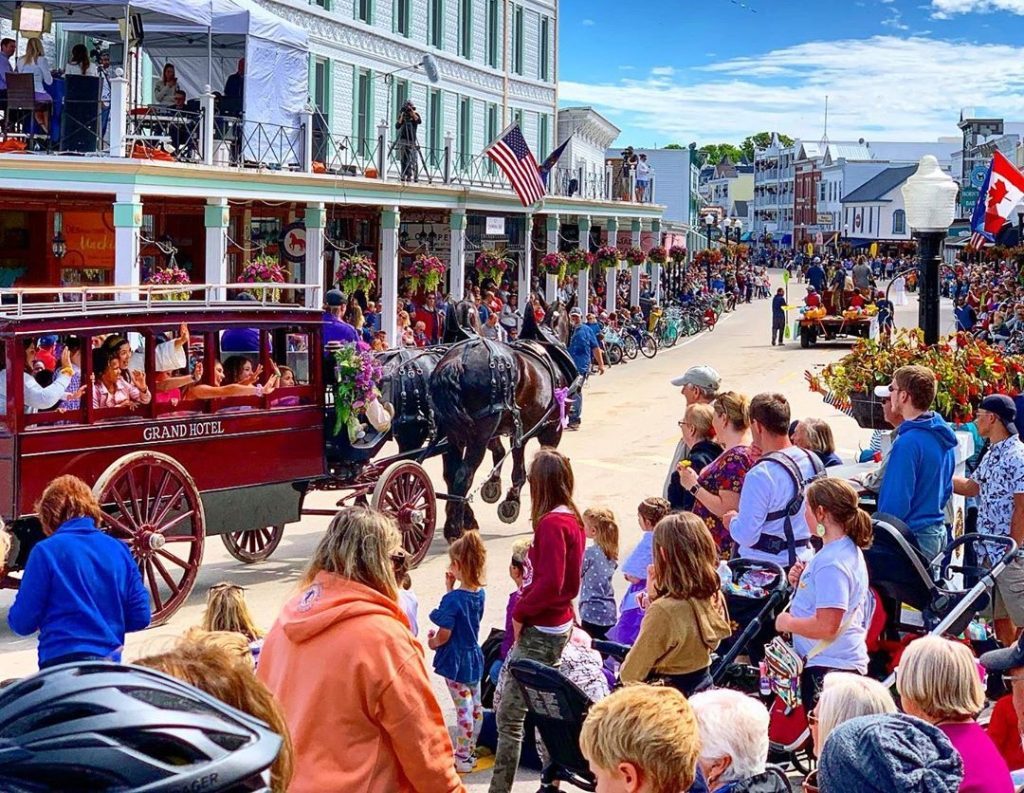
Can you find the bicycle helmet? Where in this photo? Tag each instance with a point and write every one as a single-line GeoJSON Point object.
{"type": "Point", "coordinates": [100, 726]}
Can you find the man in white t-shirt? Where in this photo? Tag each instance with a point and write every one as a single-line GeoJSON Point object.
{"type": "Point", "coordinates": [643, 178]}
{"type": "Point", "coordinates": [767, 499]}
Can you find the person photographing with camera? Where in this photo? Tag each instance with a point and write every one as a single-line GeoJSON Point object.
{"type": "Point", "coordinates": [408, 148]}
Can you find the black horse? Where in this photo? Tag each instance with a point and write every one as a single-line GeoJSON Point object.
{"type": "Point", "coordinates": [482, 389]}
{"type": "Point", "coordinates": [405, 385]}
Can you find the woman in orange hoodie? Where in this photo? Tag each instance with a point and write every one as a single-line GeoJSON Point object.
{"type": "Point", "coordinates": [350, 676]}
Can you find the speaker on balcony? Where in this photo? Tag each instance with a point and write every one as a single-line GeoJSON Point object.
{"type": "Point", "coordinates": [80, 120]}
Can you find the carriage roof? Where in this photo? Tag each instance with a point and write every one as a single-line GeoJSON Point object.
{"type": "Point", "coordinates": [92, 307]}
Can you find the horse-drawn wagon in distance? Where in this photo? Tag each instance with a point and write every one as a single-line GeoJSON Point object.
{"type": "Point", "coordinates": [189, 418]}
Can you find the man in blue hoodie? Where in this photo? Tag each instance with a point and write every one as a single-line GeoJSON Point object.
{"type": "Point", "coordinates": [918, 477]}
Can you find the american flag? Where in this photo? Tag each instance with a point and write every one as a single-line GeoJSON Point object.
{"type": "Point", "coordinates": [978, 241]}
{"type": "Point", "coordinates": [516, 161]}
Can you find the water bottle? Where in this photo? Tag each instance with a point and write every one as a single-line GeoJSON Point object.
{"type": "Point", "coordinates": [724, 573]}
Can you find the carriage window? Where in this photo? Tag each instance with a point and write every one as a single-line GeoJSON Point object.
{"type": "Point", "coordinates": [297, 357]}
{"type": "Point", "coordinates": [52, 375]}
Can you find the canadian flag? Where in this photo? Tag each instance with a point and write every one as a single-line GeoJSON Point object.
{"type": "Point", "coordinates": [1001, 191]}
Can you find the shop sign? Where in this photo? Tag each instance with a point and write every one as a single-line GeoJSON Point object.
{"type": "Point", "coordinates": [824, 218]}
{"type": "Point", "coordinates": [182, 430]}
{"type": "Point", "coordinates": [494, 227]}
{"type": "Point", "coordinates": [293, 242]}
{"type": "Point", "coordinates": [969, 197]}
{"type": "Point", "coordinates": [92, 235]}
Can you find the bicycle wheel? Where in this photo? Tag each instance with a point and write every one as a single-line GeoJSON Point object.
{"type": "Point", "coordinates": [670, 335]}
{"type": "Point", "coordinates": [614, 354]}
{"type": "Point", "coordinates": [648, 346]}
{"type": "Point", "coordinates": [630, 347]}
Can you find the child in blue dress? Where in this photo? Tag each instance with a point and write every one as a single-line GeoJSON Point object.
{"type": "Point", "coordinates": [457, 654]}
{"type": "Point", "coordinates": [625, 631]}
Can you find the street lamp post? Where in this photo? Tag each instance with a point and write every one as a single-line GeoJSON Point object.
{"type": "Point", "coordinates": [709, 221]}
{"type": "Point", "coordinates": [929, 197]}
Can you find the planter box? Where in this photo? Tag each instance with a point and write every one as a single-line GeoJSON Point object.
{"type": "Point", "coordinates": [867, 412]}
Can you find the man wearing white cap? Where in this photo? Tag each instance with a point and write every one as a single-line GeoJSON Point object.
{"type": "Point", "coordinates": [700, 386]}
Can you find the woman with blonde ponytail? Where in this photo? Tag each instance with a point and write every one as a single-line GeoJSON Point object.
{"type": "Point", "coordinates": [829, 613]}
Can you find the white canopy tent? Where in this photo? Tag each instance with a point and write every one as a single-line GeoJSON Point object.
{"type": "Point", "coordinates": [196, 12]}
{"type": "Point", "coordinates": [276, 53]}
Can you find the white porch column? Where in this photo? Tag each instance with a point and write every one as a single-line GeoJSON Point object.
{"type": "Point", "coordinates": [389, 219]}
{"type": "Point", "coordinates": [206, 100]}
{"type": "Point", "coordinates": [551, 281]}
{"type": "Point", "coordinates": [216, 218]}
{"type": "Point", "coordinates": [634, 274]}
{"type": "Point", "coordinates": [457, 266]}
{"type": "Point", "coordinates": [117, 127]}
{"type": "Point", "coordinates": [526, 267]}
{"type": "Point", "coordinates": [656, 268]}
{"type": "Point", "coordinates": [612, 228]}
{"type": "Point", "coordinates": [583, 279]}
{"type": "Point", "coordinates": [127, 222]}
{"type": "Point", "coordinates": [316, 220]}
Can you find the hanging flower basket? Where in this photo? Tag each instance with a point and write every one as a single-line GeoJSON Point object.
{"type": "Point", "coordinates": [356, 377]}
{"type": "Point", "coordinates": [425, 272]}
{"type": "Point", "coordinates": [966, 371]}
{"type": "Point", "coordinates": [491, 266]}
{"type": "Point", "coordinates": [711, 256]}
{"type": "Point", "coordinates": [356, 272]}
{"type": "Point", "coordinates": [264, 270]}
{"type": "Point", "coordinates": [606, 257]}
{"type": "Point", "coordinates": [658, 254]}
{"type": "Point", "coordinates": [636, 257]}
{"type": "Point", "coordinates": [170, 276]}
{"type": "Point", "coordinates": [577, 260]}
{"type": "Point", "coordinates": [553, 264]}
{"type": "Point", "coordinates": [677, 253]}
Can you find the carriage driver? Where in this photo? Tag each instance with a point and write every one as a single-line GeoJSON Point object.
{"type": "Point", "coordinates": [335, 327]}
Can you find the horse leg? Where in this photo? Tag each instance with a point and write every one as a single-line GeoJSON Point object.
{"type": "Point", "coordinates": [464, 480]}
{"type": "Point", "coordinates": [454, 507]}
{"type": "Point", "coordinates": [508, 510]}
{"type": "Point", "coordinates": [491, 490]}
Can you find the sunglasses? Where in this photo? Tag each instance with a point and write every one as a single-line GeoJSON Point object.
{"type": "Point", "coordinates": [684, 424]}
{"type": "Point", "coordinates": [1009, 680]}
{"type": "Point", "coordinates": [223, 587]}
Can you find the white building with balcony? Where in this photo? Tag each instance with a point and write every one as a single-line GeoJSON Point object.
{"type": "Point", "coordinates": [589, 134]}
{"type": "Point", "coordinates": [774, 175]}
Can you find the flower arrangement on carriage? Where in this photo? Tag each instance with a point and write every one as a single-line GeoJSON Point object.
{"type": "Point", "coordinates": [553, 264]}
{"type": "Point", "coordinates": [490, 265]}
{"type": "Point", "coordinates": [425, 272]}
{"type": "Point", "coordinates": [659, 255]}
{"type": "Point", "coordinates": [264, 269]}
{"type": "Point", "coordinates": [357, 375]}
{"type": "Point", "coordinates": [966, 371]}
{"type": "Point", "coordinates": [171, 275]}
{"type": "Point", "coordinates": [356, 272]}
{"type": "Point", "coordinates": [606, 257]}
{"type": "Point", "coordinates": [577, 260]}
{"type": "Point", "coordinates": [708, 256]}
{"type": "Point", "coordinates": [677, 253]}
{"type": "Point", "coordinates": [636, 256]}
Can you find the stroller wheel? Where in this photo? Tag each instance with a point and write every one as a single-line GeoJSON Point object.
{"type": "Point", "coordinates": [803, 759]}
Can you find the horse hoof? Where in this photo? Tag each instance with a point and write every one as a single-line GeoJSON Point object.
{"type": "Point", "coordinates": [491, 491]}
{"type": "Point", "coordinates": [451, 536]}
{"type": "Point", "coordinates": [508, 511]}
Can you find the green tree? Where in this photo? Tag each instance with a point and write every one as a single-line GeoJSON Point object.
{"type": "Point", "coordinates": [714, 153]}
{"type": "Point", "coordinates": [760, 141]}
{"type": "Point", "coordinates": [675, 146]}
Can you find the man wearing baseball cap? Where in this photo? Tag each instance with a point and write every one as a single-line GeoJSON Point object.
{"type": "Point", "coordinates": [699, 386]}
{"type": "Point", "coordinates": [583, 348]}
{"type": "Point", "coordinates": [335, 327]}
{"type": "Point", "coordinates": [998, 484]}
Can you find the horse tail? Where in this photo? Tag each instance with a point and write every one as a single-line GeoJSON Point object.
{"type": "Point", "coordinates": [445, 390]}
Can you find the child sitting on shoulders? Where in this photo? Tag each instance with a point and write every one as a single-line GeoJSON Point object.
{"type": "Point", "coordinates": [687, 617]}
{"type": "Point", "coordinates": [458, 657]}
{"type": "Point", "coordinates": [597, 598]}
{"type": "Point", "coordinates": [650, 511]}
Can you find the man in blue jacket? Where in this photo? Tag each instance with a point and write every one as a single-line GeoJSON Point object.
{"type": "Point", "coordinates": [816, 275]}
{"type": "Point", "coordinates": [583, 348]}
{"type": "Point", "coordinates": [918, 477]}
{"type": "Point", "coordinates": [778, 316]}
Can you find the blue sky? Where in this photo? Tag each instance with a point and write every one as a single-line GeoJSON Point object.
{"type": "Point", "coordinates": [666, 71]}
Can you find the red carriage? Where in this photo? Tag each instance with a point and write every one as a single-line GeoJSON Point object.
{"type": "Point", "coordinates": [176, 470]}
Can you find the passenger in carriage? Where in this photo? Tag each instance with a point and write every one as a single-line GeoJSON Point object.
{"type": "Point", "coordinates": [36, 397]}
{"type": "Point", "coordinates": [335, 327]}
{"type": "Point", "coordinates": [221, 390]}
{"type": "Point", "coordinates": [238, 370]}
{"type": "Point", "coordinates": [111, 390]}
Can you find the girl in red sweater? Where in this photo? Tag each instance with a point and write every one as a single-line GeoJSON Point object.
{"type": "Point", "coordinates": [542, 619]}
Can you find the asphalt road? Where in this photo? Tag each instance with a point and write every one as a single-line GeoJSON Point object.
{"type": "Point", "coordinates": [619, 457]}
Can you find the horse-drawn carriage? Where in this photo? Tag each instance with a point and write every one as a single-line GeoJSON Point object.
{"type": "Point", "coordinates": [196, 461]}
{"type": "Point", "coordinates": [198, 458]}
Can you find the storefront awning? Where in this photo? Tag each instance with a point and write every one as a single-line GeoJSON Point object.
{"type": "Point", "coordinates": [747, 237]}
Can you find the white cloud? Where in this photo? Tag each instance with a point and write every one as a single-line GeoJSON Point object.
{"type": "Point", "coordinates": [587, 23]}
{"type": "Point", "coordinates": [885, 87]}
{"type": "Point", "coordinates": [663, 71]}
{"type": "Point", "coordinates": [945, 9]}
{"type": "Point", "coordinates": [895, 20]}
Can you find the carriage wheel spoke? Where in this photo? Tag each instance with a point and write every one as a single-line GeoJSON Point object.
{"type": "Point", "coordinates": [147, 493]}
{"type": "Point", "coordinates": [169, 506]}
{"type": "Point", "coordinates": [171, 524]}
{"type": "Point", "coordinates": [153, 587]}
{"type": "Point", "coordinates": [171, 584]}
{"type": "Point", "coordinates": [172, 558]}
{"type": "Point", "coordinates": [126, 514]}
{"type": "Point", "coordinates": [114, 523]}
{"type": "Point", "coordinates": [133, 494]}
{"type": "Point", "coordinates": [154, 504]}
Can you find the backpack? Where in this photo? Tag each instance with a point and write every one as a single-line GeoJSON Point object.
{"type": "Point", "coordinates": [793, 506]}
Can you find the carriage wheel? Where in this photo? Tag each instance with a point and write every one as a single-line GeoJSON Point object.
{"type": "Point", "coordinates": [151, 503]}
{"type": "Point", "coordinates": [254, 545]}
{"type": "Point", "coordinates": [405, 492]}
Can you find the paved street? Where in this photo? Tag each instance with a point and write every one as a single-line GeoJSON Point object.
{"type": "Point", "coordinates": [619, 457]}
